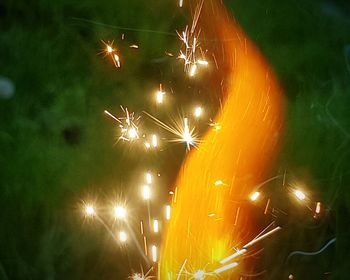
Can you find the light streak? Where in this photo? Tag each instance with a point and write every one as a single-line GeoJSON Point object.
{"type": "Point", "coordinates": [167, 212]}
{"type": "Point", "coordinates": [318, 208]}
{"type": "Point", "coordinates": [154, 141]}
{"type": "Point", "coordinates": [160, 95]}
{"type": "Point", "coordinates": [226, 267]}
{"type": "Point", "coordinates": [146, 192]}
{"type": "Point", "coordinates": [233, 256]}
{"type": "Point", "coordinates": [251, 243]}
{"type": "Point", "coordinates": [154, 253]}
{"type": "Point", "coordinates": [218, 183]}
{"type": "Point", "coordinates": [155, 226]}
{"type": "Point", "coordinates": [299, 194]}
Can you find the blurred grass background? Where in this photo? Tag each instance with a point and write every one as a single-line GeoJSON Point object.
{"type": "Point", "coordinates": [57, 147]}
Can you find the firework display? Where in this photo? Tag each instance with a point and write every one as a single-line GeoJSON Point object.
{"type": "Point", "coordinates": [221, 209]}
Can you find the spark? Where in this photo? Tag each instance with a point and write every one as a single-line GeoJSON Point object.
{"type": "Point", "coordinates": [251, 243]}
{"type": "Point", "coordinates": [167, 212]}
{"type": "Point", "coordinates": [255, 196]}
{"type": "Point", "coordinates": [154, 253]}
{"type": "Point", "coordinates": [142, 275]}
{"type": "Point", "coordinates": [318, 208]}
{"type": "Point", "coordinates": [299, 194]}
{"type": "Point", "coordinates": [119, 212]}
{"type": "Point", "coordinates": [112, 52]}
{"type": "Point", "coordinates": [122, 236]}
{"type": "Point", "coordinates": [181, 2]}
{"type": "Point", "coordinates": [146, 192]}
{"type": "Point", "coordinates": [183, 132]}
{"type": "Point", "coordinates": [198, 111]}
{"type": "Point", "coordinates": [233, 256]}
{"type": "Point", "coordinates": [155, 226]}
{"type": "Point", "coordinates": [160, 95]}
{"type": "Point", "coordinates": [127, 124]}
{"type": "Point", "coordinates": [134, 46]}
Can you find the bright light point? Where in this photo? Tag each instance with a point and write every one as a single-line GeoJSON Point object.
{"type": "Point", "coordinates": [171, 192]}
{"type": "Point", "coordinates": [154, 141]}
{"type": "Point", "coordinates": [147, 145]}
{"type": "Point", "coordinates": [202, 62]}
{"type": "Point", "coordinates": [109, 49]}
{"type": "Point", "coordinates": [149, 178]}
{"type": "Point", "coordinates": [187, 137]}
{"type": "Point", "coordinates": [146, 192]}
{"type": "Point", "coordinates": [155, 226]}
{"type": "Point", "coordinates": [122, 236]}
{"type": "Point", "coordinates": [299, 194]}
{"type": "Point", "coordinates": [199, 274]}
{"type": "Point", "coordinates": [160, 96]}
{"type": "Point", "coordinates": [218, 183]}
{"type": "Point", "coordinates": [137, 276]}
{"type": "Point", "coordinates": [254, 196]}
{"type": "Point", "coordinates": [193, 70]}
{"type": "Point", "coordinates": [116, 60]}
{"type": "Point", "coordinates": [318, 208]}
{"type": "Point", "coordinates": [198, 111]}
{"type": "Point", "coordinates": [89, 210]}
{"type": "Point", "coordinates": [226, 267]}
{"type": "Point", "coordinates": [167, 212]}
{"type": "Point", "coordinates": [154, 253]}
{"type": "Point", "coordinates": [132, 133]}
{"type": "Point", "coordinates": [211, 214]}
{"type": "Point", "coordinates": [119, 212]}
{"type": "Point", "coordinates": [181, 2]}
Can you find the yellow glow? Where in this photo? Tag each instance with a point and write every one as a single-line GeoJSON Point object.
{"type": "Point", "coordinates": [154, 141]}
{"type": "Point", "coordinates": [155, 226]}
{"type": "Point", "coordinates": [193, 70]}
{"type": "Point", "coordinates": [198, 111]}
{"type": "Point", "coordinates": [299, 194]}
{"type": "Point", "coordinates": [148, 178]}
{"type": "Point", "coordinates": [255, 196]}
{"type": "Point", "coordinates": [160, 96]}
{"type": "Point", "coordinates": [119, 212]}
{"type": "Point", "coordinates": [132, 132]}
{"type": "Point", "coordinates": [167, 212]}
{"type": "Point", "coordinates": [89, 210]}
{"type": "Point", "coordinates": [122, 236]}
{"type": "Point", "coordinates": [154, 253]}
{"type": "Point", "coordinates": [146, 192]}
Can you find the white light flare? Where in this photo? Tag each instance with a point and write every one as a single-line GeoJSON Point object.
{"type": "Point", "coordinates": [155, 226]}
{"type": "Point", "coordinates": [167, 212]}
{"type": "Point", "coordinates": [255, 196]}
{"type": "Point", "coordinates": [154, 253]}
{"type": "Point", "coordinates": [90, 210]}
{"type": "Point", "coordinates": [198, 111]}
{"type": "Point", "coordinates": [299, 194]}
{"type": "Point", "coordinates": [146, 192]}
{"type": "Point", "coordinates": [187, 135]}
{"type": "Point", "coordinates": [160, 96]}
{"type": "Point", "coordinates": [119, 212]}
{"type": "Point", "coordinates": [154, 141]}
{"type": "Point", "coordinates": [148, 178]}
{"type": "Point", "coordinates": [122, 236]}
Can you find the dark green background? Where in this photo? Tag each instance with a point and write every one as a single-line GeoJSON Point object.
{"type": "Point", "coordinates": [57, 147]}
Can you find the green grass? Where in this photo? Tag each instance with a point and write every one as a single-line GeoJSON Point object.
{"type": "Point", "coordinates": [57, 147]}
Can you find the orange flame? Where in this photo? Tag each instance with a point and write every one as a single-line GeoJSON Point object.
{"type": "Point", "coordinates": [209, 219]}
